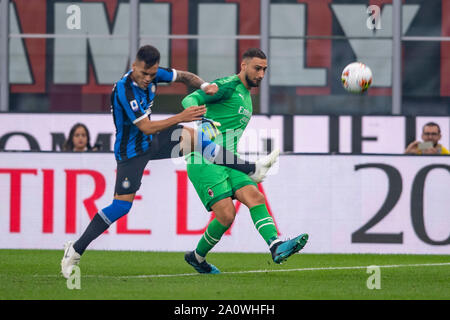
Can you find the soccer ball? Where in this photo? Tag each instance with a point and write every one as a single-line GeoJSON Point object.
{"type": "Point", "coordinates": [356, 77]}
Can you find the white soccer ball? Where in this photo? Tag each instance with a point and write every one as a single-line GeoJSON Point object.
{"type": "Point", "coordinates": [356, 77]}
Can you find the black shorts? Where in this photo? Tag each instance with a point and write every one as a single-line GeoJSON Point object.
{"type": "Point", "coordinates": [130, 171]}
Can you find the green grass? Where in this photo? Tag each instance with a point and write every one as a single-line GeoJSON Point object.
{"type": "Point", "coordinates": [34, 274]}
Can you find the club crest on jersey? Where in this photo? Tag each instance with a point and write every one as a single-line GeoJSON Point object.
{"type": "Point", "coordinates": [134, 105]}
{"type": "Point", "coordinates": [126, 183]}
{"type": "Point", "coordinates": [210, 193]}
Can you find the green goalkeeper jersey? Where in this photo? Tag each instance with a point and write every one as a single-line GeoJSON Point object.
{"type": "Point", "coordinates": [231, 106]}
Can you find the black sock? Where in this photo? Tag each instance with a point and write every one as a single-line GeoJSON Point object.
{"type": "Point", "coordinates": [95, 228]}
{"type": "Point", "coordinates": [229, 159]}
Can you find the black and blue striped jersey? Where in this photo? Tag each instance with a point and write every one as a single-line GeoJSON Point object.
{"type": "Point", "coordinates": [130, 104]}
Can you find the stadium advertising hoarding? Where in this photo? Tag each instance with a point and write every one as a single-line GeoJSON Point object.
{"type": "Point", "coordinates": [348, 204]}
{"type": "Point", "coordinates": [308, 134]}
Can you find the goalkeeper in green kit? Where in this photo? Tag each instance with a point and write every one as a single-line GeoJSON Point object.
{"type": "Point", "coordinates": [228, 113]}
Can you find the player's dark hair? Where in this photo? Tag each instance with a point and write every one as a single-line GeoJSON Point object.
{"type": "Point", "coordinates": [254, 53]}
{"type": "Point", "coordinates": [431, 124]}
{"type": "Point", "coordinates": [149, 54]}
{"type": "Point", "coordinates": [68, 144]}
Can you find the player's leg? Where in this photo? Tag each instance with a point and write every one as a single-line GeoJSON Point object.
{"type": "Point", "coordinates": [199, 141]}
{"type": "Point", "coordinates": [251, 197]}
{"type": "Point", "coordinates": [73, 251]}
{"type": "Point", "coordinates": [128, 181]}
{"type": "Point", "coordinates": [119, 207]}
{"type": "Point", "coordinates": [178, 140]}
{"type": "Point", "coordinates": [213, 188]}
{"type": "Point", "coordinates": [225, 214]}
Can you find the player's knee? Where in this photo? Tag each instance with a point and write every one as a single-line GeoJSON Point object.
{"type": "Point", "coordinates": [254, 198]}
{"type": "Point", "coordinates": [250, 196]}
{"type": "Point", "coordinates": [258, 197]}
{"type": "Point", "coordinates": [228, 220]}
{"type": "Point", "coordinates": [226, 217]}
{"type": "Point", "coordinates": [116, 210]}
{"type": "Point", "coordinates": [225, 211]}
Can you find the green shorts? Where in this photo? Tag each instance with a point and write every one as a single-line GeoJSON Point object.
{"type": "Point", "coordinates": [214, 182]}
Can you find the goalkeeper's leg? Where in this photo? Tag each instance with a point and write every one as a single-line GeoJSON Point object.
{"type": "Point", "coordinates": [225, 214]}
{"type": "Point", "coordinates": [251, 197]}
{"type": "Point", "coordinates": [280, 250]}
{"type": "Point", "coordinates": [197, 140]}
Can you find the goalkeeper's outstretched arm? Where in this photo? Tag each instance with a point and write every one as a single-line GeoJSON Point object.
{"type": "Point", "coordinates": [199, 98]}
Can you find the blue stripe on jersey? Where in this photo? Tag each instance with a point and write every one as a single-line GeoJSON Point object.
{"type": "Point", "coordinates": [130, 140]}
{"type": "Point", "coordinates": [164, 75]}
{"type": "Point", "coordinates": [130, 103]}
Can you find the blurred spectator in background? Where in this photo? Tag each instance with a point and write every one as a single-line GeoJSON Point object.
{"type": "Point", "coordinates": [79, 140]}
{"type": "Point", "coordinates": [431, 134]}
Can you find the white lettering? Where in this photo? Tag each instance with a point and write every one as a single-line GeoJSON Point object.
{"type": "Point", "coordinates": [187, 310]}
{"type": "Point", "coordinates": [74, 20]}
{"type": "Point", "coordinates": [374, 281]}
{"type": "Point", "coordinates": [374, 20]}
{"type": "Point", "coordinates": [74, 280]}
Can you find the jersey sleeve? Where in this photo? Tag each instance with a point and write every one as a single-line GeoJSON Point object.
{"type": "Point", "coordinates": [166, 75]}
{"type": "Point", "coordinates": [199, 97]}
{"type": "Point", "coordinates": [126, 100]}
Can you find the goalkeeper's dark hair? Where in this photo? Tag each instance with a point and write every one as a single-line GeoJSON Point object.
{"type": "Point", "coordinates": [149, 54]}
{"type": "Point", "coordinates": [254, 53]}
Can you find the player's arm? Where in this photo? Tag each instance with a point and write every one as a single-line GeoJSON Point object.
{"type": "Point", "coordinates": [171, 75]}
{"type": "Point", "coordinates": [193, 80]}
{"type": "Point", "coordinates": [199, 97]}
{"type": "Point", "coordinates": [125, 99]}
{"type": "Point", "coordinates": [148, 126]}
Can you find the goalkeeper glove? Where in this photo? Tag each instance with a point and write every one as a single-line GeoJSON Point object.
{"type": "Point", "coordinates": [209, 128]}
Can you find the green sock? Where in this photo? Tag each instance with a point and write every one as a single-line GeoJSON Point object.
{"type": "Point", "coordinates": [211, 237]}
{"type": "Point", "coordinates": [264, 223]}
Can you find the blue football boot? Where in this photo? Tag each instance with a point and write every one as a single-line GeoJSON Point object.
{"type": "Point", "coordinates": [201, 267]}
{"type": "Point", "coordinates": [284, 249]}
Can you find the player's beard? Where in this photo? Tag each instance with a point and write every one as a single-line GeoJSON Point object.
{"type": "Point", "coordinates": [252, 83]}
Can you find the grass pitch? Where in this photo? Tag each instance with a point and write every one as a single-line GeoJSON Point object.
{"type": "Point", "coordinates": [34, 274]}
